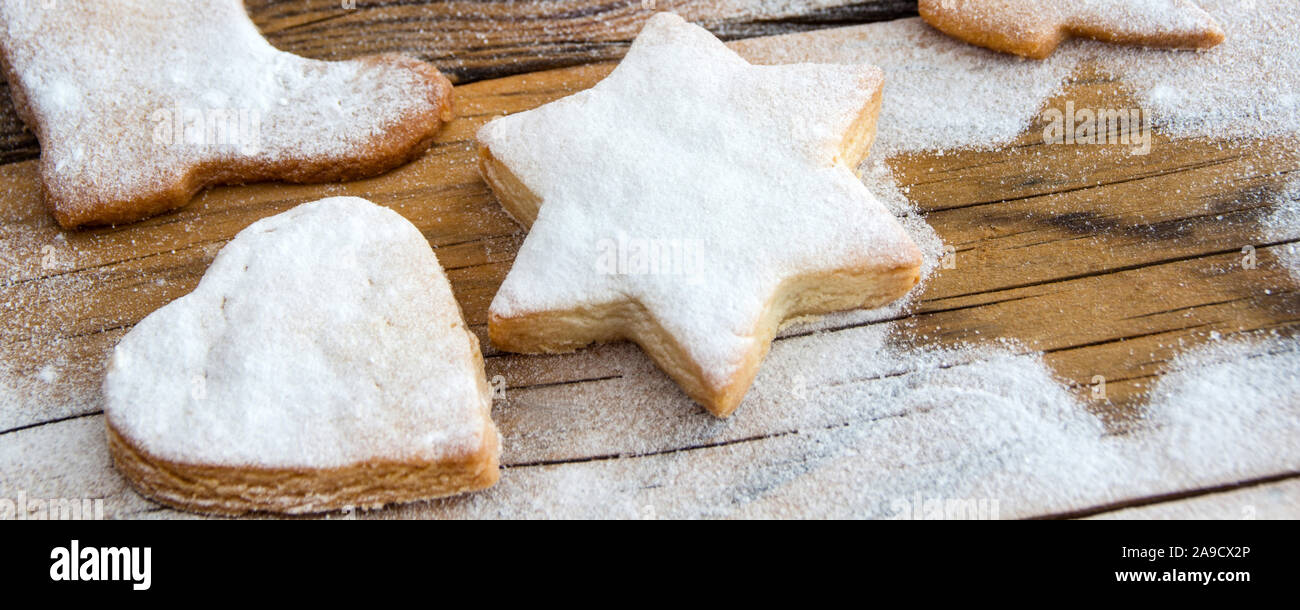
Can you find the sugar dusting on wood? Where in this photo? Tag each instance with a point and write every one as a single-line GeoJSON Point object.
{"type": "Point", "coordinates": [1284, 225]}
{"type": "Point", "coordinates": [866, 422]}
{"type": "Point", "coordinates": [919, 424]}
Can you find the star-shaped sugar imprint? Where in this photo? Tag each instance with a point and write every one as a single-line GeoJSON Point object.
{"type": "Point", "coordinates": [138, 104]}
{"type": "Point", "coordinates": [1034, 28]}
{"type": "Point", "coordinates": [691, 202]}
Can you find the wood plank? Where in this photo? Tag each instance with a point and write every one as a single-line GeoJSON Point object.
{"type": "Point", "coordinates": [478, 40]}
{"type": "Point", "coordinates": [1110, 267]}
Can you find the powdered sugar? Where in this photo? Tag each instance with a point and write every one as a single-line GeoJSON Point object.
{"type": "Point", "coordinates": [685, 142]}
{"type": "Point", "coordinates": [939, 93]}
{"type": "Point", "coordinates": [1283, 224]}
{"type": "Point", "coordinates": [826, 431]}
{"type": "Point", "coordinates": [1126, 19]}
{"type": "Point", "coordinates": [888, 428]}
{"type": "Point", "coordinates": [66, 460]}
{"type": "Point", "coordinates": [1244, 88]}
{"type": "Point", "coordinates": [321, 337]}
{"type": "Point", "coordinates": [42, 376]}
{"type": "Point", "coordinates": [1219, 404]}
{"type": "Point", "coordinates": [879, 179]}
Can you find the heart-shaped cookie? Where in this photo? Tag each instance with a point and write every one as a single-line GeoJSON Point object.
{"type": "Point", "coordinates": [321, 363]}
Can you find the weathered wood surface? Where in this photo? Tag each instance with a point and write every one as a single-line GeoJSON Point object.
{"type": "Point", "coordinates": [1109, 267]}
{"type": "Point", "coordinates": [476, 40]}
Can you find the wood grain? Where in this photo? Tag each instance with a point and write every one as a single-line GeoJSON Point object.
{"type": "Point", "coordinates": [474, 40]}
{"type": "Point", "coordinates": [1110, 267]}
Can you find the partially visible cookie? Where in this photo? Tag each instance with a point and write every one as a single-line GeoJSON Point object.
{"type": "Point", "coordinates": [692, 202]}
{"type": "Point", "coordinates": [139, 104]}
{"type": "Point", "coordinates": [321, 363]}
{"type": "Point", "coordinates": [1034, 28]}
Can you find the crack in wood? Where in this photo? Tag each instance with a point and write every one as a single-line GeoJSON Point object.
{"type": "Point", "coordinates": [1115, 270]}
{"type": "Point", "coordinates": [1169, 497]}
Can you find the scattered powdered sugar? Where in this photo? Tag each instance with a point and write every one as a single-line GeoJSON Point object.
{"type": "Point", "coordinates": [939, 93]}
{"type": "Point", "coordinates": [916, 432]}
{"type": "Point", "coordinates": [1284, 225]}
{"type": "Point", "coordinates": [1221, 405]}
{"type": "Point", "coordinates": [129, 96]}
{"type": "Point", "coordinates": [1244, 88]}
{"type": "Point", "coordinates": [69, 460]}
{"type": "Point", "coordinates": [42, 376]}
{"type": "Point", "coordinates": [825, 432]}
{"type": "Point", "coordinates": [890, 429]}
{"type": "Point", "coordinates": [40, 391]}
{"type": "Point", "coordinates": [752, 9]}
{"type": "Point", "coordinates": [320, 337]}
{"type": "Point", "coordinates": [1266, 501]}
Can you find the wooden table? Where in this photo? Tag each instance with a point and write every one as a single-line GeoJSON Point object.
{"type": "Point", "coordinates": [1097, 265]}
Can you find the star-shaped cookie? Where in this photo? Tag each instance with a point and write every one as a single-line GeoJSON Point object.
{"type": "Point", "coordinates": [691, 202]}
{"type": "Point", "coordinates": [139, 104]}
{"type": "Point", "coordinates": [1034, 28]}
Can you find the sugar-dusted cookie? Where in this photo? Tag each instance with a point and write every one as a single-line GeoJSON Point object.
{"type": "Point", "coordinates": [139, 104]}
{"type": "Point", "coordinates": [1034, 28]}
{"type": "Point", "coordinates": [691, 202]}
{"type": "Point", "coordinates": [321, 363]}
